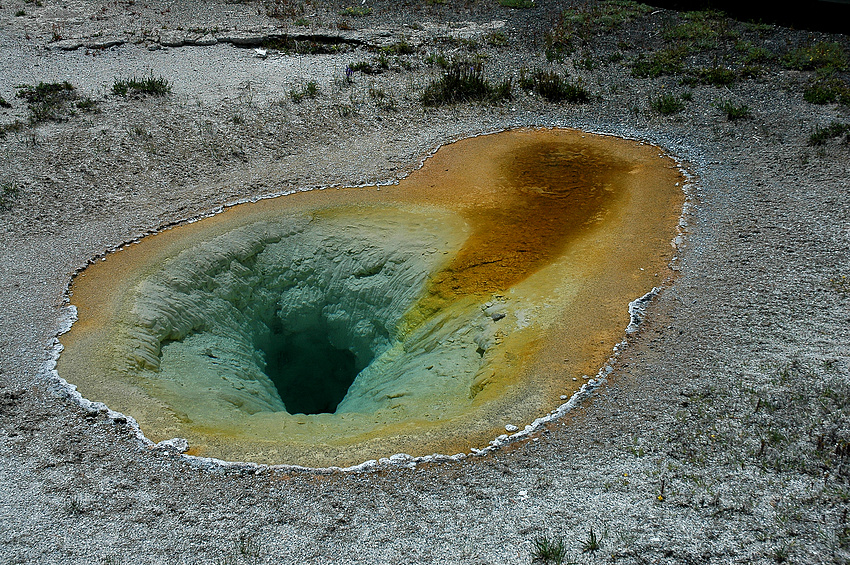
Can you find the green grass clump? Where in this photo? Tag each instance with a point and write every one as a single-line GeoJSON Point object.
{"type": "Point", "coordinates": [664, 62]}
{"type": "Point", "coordinates": [827, 88]}
{"type": "Point", "coordinates": [47, 101]}
{"type": "Point", "coordinates": [759, 55]}
{"type": "Point", "coordinates": [382, 100]}
{"type": "Point", "coordinates": [518, 4]}
{"type": "Point", "coordinates": [367, 68]}
{"type": "Point", "coordinates": [464, 82]}
{"type": "Point", "coordinates": [593, 543]}
{"type": "Point", "coordinates": [438, 59]}
{"type": "Point", "coordinates": [3, 103]}
{"type": "Point", "coordinates": [87, 104]}
{"type": "Point", "coordinates": [715, 76]}
{"type": "Point", "coordinates": [310, 90]}
{"type": "Point", "coordinates": [153, 86]}
{"type": "Point", "coordinates": [702, 29]}
{"type": "Point", "coordinates": [667, 104]}
{"type": "Point", "coordinates": [818, 56]}
{"type": "Point", "coordinates": [549, 550]}
{"type": "Point", "coordinates": [554, 88]}
{"type": "Point", "coordinates": [735, 112]}
{"type": "Point", "coordinates": [356, 11]}
{"type": "Point", "coordinates": [834, 130]}
{"type": "Point", "coordinates": [399, 48]}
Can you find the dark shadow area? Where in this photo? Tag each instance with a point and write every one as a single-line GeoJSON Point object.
{"type": "Point", "coordinates": [832, 17]}
{"type": "Point", "coordinates": [310, 374]}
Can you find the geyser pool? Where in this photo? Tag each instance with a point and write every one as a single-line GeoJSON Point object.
{"type": "Point", "coordinates": [335, 326]}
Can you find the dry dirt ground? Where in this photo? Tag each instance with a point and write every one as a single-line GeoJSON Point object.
{"type": "Point", "coordinates": [722, 435]}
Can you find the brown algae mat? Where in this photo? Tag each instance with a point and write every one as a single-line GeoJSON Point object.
{"type": "Point", "coordinates": [331, 327]}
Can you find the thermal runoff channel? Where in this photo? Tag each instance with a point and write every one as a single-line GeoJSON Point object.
{"type": "Point", "coordinates": [341, 325]}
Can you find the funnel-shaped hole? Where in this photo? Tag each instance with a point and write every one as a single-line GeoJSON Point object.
{"type": "Point", "coordinates": [311, 375]}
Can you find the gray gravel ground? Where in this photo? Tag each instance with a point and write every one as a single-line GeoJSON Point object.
{"type": "Point", "coordinates": [721, 437]}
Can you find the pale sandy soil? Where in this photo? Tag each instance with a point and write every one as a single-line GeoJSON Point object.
{"type": "Point", "coordinates": [722, 435]}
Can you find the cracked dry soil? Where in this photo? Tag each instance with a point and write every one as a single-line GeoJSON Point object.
{"type": "Point", "coordinates": [722, 434]}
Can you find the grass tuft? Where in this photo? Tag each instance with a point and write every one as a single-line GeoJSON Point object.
{"type": "Point", "coordinates": [735, 112]}
{"type": "Point", "coordinates": [464, 82]}
{"type": "Point", "coordinates": [667, 104]}
{"type": "Point", "coordinates": [827, 88]}
{"type": "Point", "coordinates": [310, 90]}
{"type": "Point", "coordinates": [47, 101]}
{"type": "Point", "coordinates": [549, 550]}
{"type": "Point", "coordinates": [593, 543]}
{"type": "Point", "coordinates": [555, 88]}
{"type": "Point", "coordinates": [356, 11]}
{"type": "Point", "coordinates": [517, 4]}
{"type": "Point", "coordinates": [664, 62]}
{"type": "Point", "coordinates": [153, 86]}
{"type": "Point", "coordinates": [834, 130]}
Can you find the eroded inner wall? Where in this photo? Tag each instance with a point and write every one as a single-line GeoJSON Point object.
{"type": "Point", "coordinates": [465, 298]}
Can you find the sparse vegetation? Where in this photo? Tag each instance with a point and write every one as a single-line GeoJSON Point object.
{"type": "Point", "coordinates": [518, 4]}
{"type": "Point", "coordinates": [438, 59]}
{"type": "Point", "coordinates": [399, 48]}
{"type": "Point", "coordinates": [310, 90]}
{"type": "Point", "coordinates": [4, 103]}
{"type": "Point", "coordinates": [464, 82]}
{"type": "Point", "coordinates": [550, 549]}
{"type": "Point", "coordinates": [667, 104]}
{"type": "Point", "coordinates": [714, 76]}
{"type": "Point", "coordinates": [381, 99]}
{"type": "Point", "coordinates": [356, 11]}
{"type": "Point", "coordinates": [15, 126]}
{"type": "Point", "coordinates": [248, 546]}
{"type": "Point", "coordinates": [817, 56]}
{"type": "Point", "coordinates": [577, 26]}
{"type": "Point", "coordinates": [834, 130]}
{"type": "Point", "coordinates": [87, 104]}
{"type": "Point", "coordinates": [841, 284]}
{"type": "Point", "coordinates": [735, 111]}
{"type": "Point", "coordinates": [593, 543]}
{"type": "Point", "coordinates": [47, 101]}
{"type": "Point", "coordinates": [366, 68]}
{"type": "Point", "coordinates": [152, 86]}
{"type": "Point", "coordinates": [701, 30]}
{"type": "Point", "coordinates": [663, 62]}
{"type": "Point", "coordinates": [827, 88]}
{"type": "Point", "coordinates": [554, 87]}
{"type": "Point", "coordinates": [759, 55]}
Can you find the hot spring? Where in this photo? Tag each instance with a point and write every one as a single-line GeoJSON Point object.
{"type": "Point", "coordinates": [340, 325]}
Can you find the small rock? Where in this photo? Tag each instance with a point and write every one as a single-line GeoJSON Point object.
{"type": "Point", "coordinates": [67, 44]}
{"type": "Point", "coordinates": [105, 43]}
{"type": "Point", "coordinates": [564, 396]}
{"type": "Point", "coordinates": [205, 41]}
{"type": "Point", "coordinates": [172, 39]}
{"type": "Point", "coordinates": [511, 428]}
{"type": "Point", "coordinates": [174, 445]}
